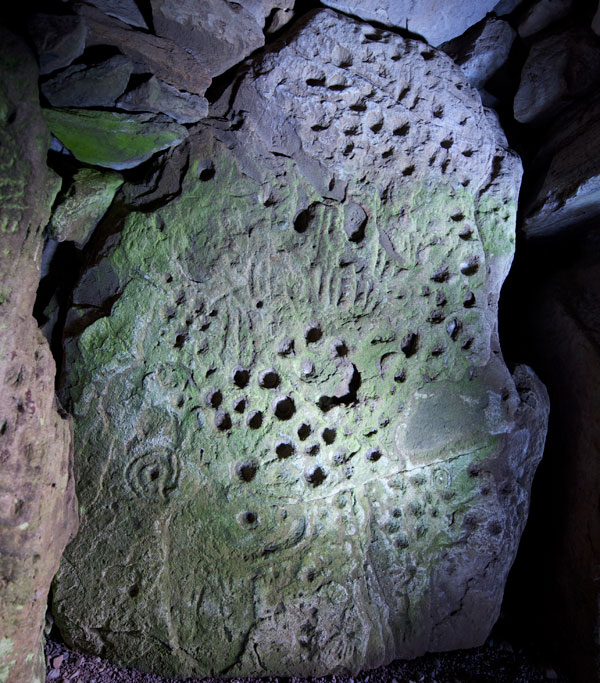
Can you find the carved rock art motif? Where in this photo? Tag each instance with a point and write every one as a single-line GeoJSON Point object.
{"type": "Point", "coordinates": [298, 449]}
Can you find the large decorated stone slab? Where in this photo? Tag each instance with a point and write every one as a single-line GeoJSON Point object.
{"type": "Point", "coordinates": [298, 449]}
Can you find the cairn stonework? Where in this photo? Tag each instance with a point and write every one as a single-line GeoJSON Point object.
{"type": "Point", "coordinates": [297, 447]}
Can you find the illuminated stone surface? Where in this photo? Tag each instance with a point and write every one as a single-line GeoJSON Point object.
{"type": "Point", "coordinates": [298, 450]}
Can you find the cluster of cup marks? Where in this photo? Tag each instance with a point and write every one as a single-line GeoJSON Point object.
{"type": "Point", "coordinates": [284, 408]}
{"type": "Point", "coordinates": [469, 267]}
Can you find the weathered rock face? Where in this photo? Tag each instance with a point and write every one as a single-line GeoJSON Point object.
{"type": "Point", "coordinates": [218, 33]}
{"type": "Point", "coordinates": [542, 14]}
{"type": "Point", "coordinates": [37, 513]}
{"type": "Point", "coordinates": [568, 167]}
{"type": "Point", "coordinates": [159, 56]}
{"type": "Point", "coordinates": [83, 205]}
{"type": "Point", "coordinates": [298, 448]}
{"type": "Point", "coordinates": [482, 50]}
{"type": "Point", "coordinates": [93, 86]}
{"type": "Point", "coordinates": [558, 69]}
{"type": "Point", "coordinates": [58, 40]}
{"type": "Point", "coordinates": [436, 20]}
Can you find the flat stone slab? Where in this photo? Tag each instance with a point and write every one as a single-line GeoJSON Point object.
{"type": "Point", "coordinates": [298, 449]}
{"type": "Point", "coordinates": [111, 139]}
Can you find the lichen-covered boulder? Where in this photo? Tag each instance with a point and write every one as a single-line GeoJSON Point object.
{"type": "Point", "coordinates": [37, 512]}
{"type": "Point", "coordinates": [298, 449]}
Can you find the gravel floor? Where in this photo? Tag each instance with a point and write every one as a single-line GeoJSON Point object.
{"type": "Point", "coordinates": [498, 661]}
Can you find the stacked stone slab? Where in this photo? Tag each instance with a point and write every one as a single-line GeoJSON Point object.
{"type": "Point", "coordinates": [298, 449]}
{"type": "Point", "coordinates": [37, 512]}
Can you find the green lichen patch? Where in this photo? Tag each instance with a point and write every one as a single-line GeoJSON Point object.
{"type": "Point", "coordinates": [110, 139]}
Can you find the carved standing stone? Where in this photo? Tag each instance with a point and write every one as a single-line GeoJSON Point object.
{"type": "Point", "coordinates": [298, 449]}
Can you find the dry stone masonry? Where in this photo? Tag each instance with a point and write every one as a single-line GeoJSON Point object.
{"type": "Point", "coordinates": [298, 449]}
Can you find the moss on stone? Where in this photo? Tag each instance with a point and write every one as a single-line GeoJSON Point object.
{"type": "Point", "coordinates": [111, 139]}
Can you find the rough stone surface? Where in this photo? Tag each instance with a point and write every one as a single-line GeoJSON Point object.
{"type": "Point", "coordinates": [37, 514]}
{"type": "Point", "coordinates": [568, 167]}
{"type": "Point", "coordinates": [542, 14]}
{"type": "Point", "coordinates": [482, 50]}
{"type": "Point", "coordinates": [558, 69]}
{"type": "Point", "coordinates": [218, 33]}
{"type": "Point", "coordinates": [436, 20]}
{"type": "Point", "coordinates": [58, 39]}
{"type": "Point", "coordinates": [298, 449]}
{"type": "Point", "coordinates": [83, 205]}
{"type": "Point", "coordinates": [110, 139]}
{"type": "Point", "coordinates": [157, 96]}
{"type": "Point", "coordinates": [160, 182]}
{"type": "Point", "coordinates": [125, 10]}
{"type": "Point", "coordinates": [159, 56]}
{"type": "Point", "coordinates": [99, 85]}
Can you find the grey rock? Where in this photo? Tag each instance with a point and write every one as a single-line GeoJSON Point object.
{"type": "Point", "coordinates": [542, 14]}
{"type": "Point", "coordinates": [261, 10]}
{"type": "Point", "coordinates": [80, 85]}
{"type": "Point", "coordinates": [557, 69]}
{"type": "Point", "coordinates": [482, 50]}
{"type": "Point", "coordinates": [161, 183]}
{"type": "Point", "coordinates": [568, 166]}
{"type": "Point", "coordinates": [58, 40]}
{"type": "Point", "coordinates": [125, 10]}
{"type": "Point", "coordinates": [159, 56]}
{"type": "Point", "coordinates": [279, 19]}
{"type": "Point", "coordinates": [157, 96]}
{"type": "Point", "coordinates": [436, 20]}
{"type": "Point", "coordinates": [83, 205]}
{"type": "Point", "coordinates": [218, 33]}
{"type": "Point", "coordinates": [505, 7]}
{"type": "Point", "coordinates": [300, 450]}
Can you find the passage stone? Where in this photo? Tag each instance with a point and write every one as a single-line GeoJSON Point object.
{"type": "Point", "coordinates": [37, 505]}
{"type": "Point", "coordinates": [298, 449]}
